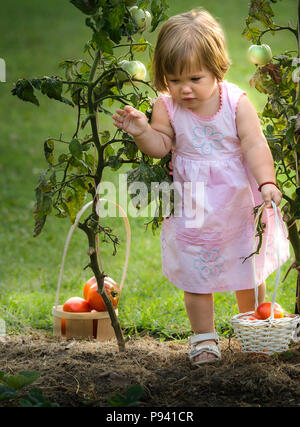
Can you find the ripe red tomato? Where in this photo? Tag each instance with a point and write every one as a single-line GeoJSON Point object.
{"type": "Point", "coordinates": [96, 301]}
{"type": "Point", "coordinates": [263, 311]}
{"type": "Point", "coordinates": [87, 286]}
{"type": "Point", "coordinates": [92, 281]}
{"type": "Point", "coordinates": [76, 305]}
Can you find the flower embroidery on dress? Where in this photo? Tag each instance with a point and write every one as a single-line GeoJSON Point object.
{"type": "Point", "coordinates": [209, 263]}
{"type": "Point", "coordinates": [206, 139]}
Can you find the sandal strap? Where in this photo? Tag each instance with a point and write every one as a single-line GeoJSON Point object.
{"type": "Point", "coordinates": [206, 348]}
{"type": "Point", "coordinates": [203, 337]}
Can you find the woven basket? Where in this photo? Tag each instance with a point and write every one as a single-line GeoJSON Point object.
{"type": "Point", "coordinates": [271, 335]}
{"type": "Point", "coordinates": [265, 336]}
{"type": "Point", "coordinates": [91, 324]}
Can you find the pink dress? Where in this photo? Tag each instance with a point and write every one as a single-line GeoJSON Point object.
{"type": "Point", "coordinates": [208, 257]}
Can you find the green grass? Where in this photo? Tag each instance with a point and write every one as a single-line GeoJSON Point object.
{"type": "Point", "coordinates": [35, 37]}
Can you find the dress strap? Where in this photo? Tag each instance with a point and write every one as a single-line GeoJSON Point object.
{"type": "Point", "coordinates": [234, 94]}
{"type": "Point", "coordinates": [169, 104]}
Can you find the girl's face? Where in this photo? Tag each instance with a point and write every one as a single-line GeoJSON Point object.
{"type": "Point", "coordinates": [193, 88]}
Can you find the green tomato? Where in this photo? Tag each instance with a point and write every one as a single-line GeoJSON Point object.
{"type": "Point", "coordinates": [260, 54]}
{"type": "Point", "coordinates": [136, 69]}
{"type": "Point", "coordinates": [141, 17]}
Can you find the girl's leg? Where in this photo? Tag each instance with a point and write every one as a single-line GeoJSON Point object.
{"type": "Point", "coordinates": [200, 310]}
{"type": "Point", "coordinates": [246, 298]}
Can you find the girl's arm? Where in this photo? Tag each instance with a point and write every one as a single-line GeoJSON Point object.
{"type": "Point", "coordinates": [154, 139]}
{"type": "Point", "coordinates": [256, 150]}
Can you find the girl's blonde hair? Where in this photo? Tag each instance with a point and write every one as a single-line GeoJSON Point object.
{"type": "Point", "coordinates": [190, 39]}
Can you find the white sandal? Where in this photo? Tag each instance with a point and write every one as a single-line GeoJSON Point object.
{"type": "Point", "coordinates": [198, 348]}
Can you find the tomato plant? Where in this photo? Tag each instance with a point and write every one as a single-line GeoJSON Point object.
{"type": "Point", "coordinates": [263, 311]}
{"type": "Point", "coordinates": [90, 85]}
{"type": "Point", "coordinates": [76, 305]}
{"type": "Point", "coordinates": [278, 80]}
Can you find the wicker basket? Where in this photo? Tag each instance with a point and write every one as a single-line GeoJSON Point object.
{"type": "Point", "coordinates": [265, 336]}
{"type": "Point", "coordinates": [271, 335]}
{"type": "Point", "coordinates": [92, 324]}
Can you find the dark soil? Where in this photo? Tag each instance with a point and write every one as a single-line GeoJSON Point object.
{"type": "Point", "coordinates": [80, 373]}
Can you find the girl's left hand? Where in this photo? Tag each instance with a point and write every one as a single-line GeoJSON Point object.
{"type": "Point", "coordinates": [270, 192]}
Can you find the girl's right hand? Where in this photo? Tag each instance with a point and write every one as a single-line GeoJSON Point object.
{"type": "Point", "coordinates": [131, 121]}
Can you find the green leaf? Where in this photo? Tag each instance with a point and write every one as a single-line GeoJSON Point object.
{"type": "Point", "coordinates": [63, 158]}
{"type": "Point", "coordinates": [251, 33]}
{"type": "Point", "coordinates": [7, 393]}
{"type": "Point", "coordinates": [38, 225]}
{"type": "Point", "coordinates": [48, 150]}
{"type": "Point", "coordinates": [90, 160]}
{"type": "Point", "coordinates": [36, 399]}
{"type": "Point", "coordinates": [108, 152]}
{"type": "Point", "coordinates": [89, 7]}
{"type": "Point", "coordinates": [115, 16]}
{"type": "Point", "coordinates": [114, 162]}
{"type": "Point", "coordinates": [103, 42]}
{"type": "Point", "coordinates": [105, 135]}
{"type": "Point", "coordinates": [75, 198]}
{"type": "Point", "coordinates": [24, 90]}
{"type": "Point", "coordinates": [290, 135]}
{"type": "Point", "coordinates": [75, 148]}
{"type": "Point", "coordinates": [141, 47]}
{"type": "Point", "coordinates": [52, 87]}
{"type": "Point", "coordinates": [130, 150]}
{"type": "Point", "coordinates": [43, 205]}
{"type": "Point", "coordinates": [20, 380]}
{"type": "Point", "coordinates": [133, 393]}
{"type": "Point", "coordinates": [158, 12]}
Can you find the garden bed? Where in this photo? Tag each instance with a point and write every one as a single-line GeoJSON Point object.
{"type": "Point", "coordinates": [81, 373]}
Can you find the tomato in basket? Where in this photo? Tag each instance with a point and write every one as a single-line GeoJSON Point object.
{"type": "Point", "coordinates": [76, 305]}
{"type": "Point", "coordinates": [92, 281]}
{"type": "Point", "coordinates": [263, 311]}
{"type": "Point", "coordinates": [87, 286]}
{"type": "Point", "coordinates": [95, 300]}
{"type": "Point", "coordinates": [248, 317]}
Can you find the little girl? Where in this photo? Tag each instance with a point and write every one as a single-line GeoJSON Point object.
{"type": "Point", "coordinates": [215, 136]}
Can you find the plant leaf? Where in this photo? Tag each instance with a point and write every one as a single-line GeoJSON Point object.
{"type": "Point", "coordinates": [75, 148]}
{"type": "Point", "coordinates": [24, 90]}
{"type": "Point", "coordinates": [20, 380]}
{"type": "Point", "coordinates": [7, 393]}
{"type": "Point", "coordinates": [48, 150]}
{"type": "Point", "coordinates": [52, 87]}
{"type": "Point", "coordinates": [36, 400]}
{"type": "Point", "coordinates": [103, 42]}
{"type": "Point", "coordinates": [89, 7]}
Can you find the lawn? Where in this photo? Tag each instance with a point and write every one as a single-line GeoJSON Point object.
{"type": "Point", "coordinates": [35, 37]}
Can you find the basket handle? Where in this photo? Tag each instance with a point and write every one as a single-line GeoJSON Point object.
{"type": "Point", "coordinates": [278, 258]}
{"type": "Point", "coordinates": [78, 216]}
